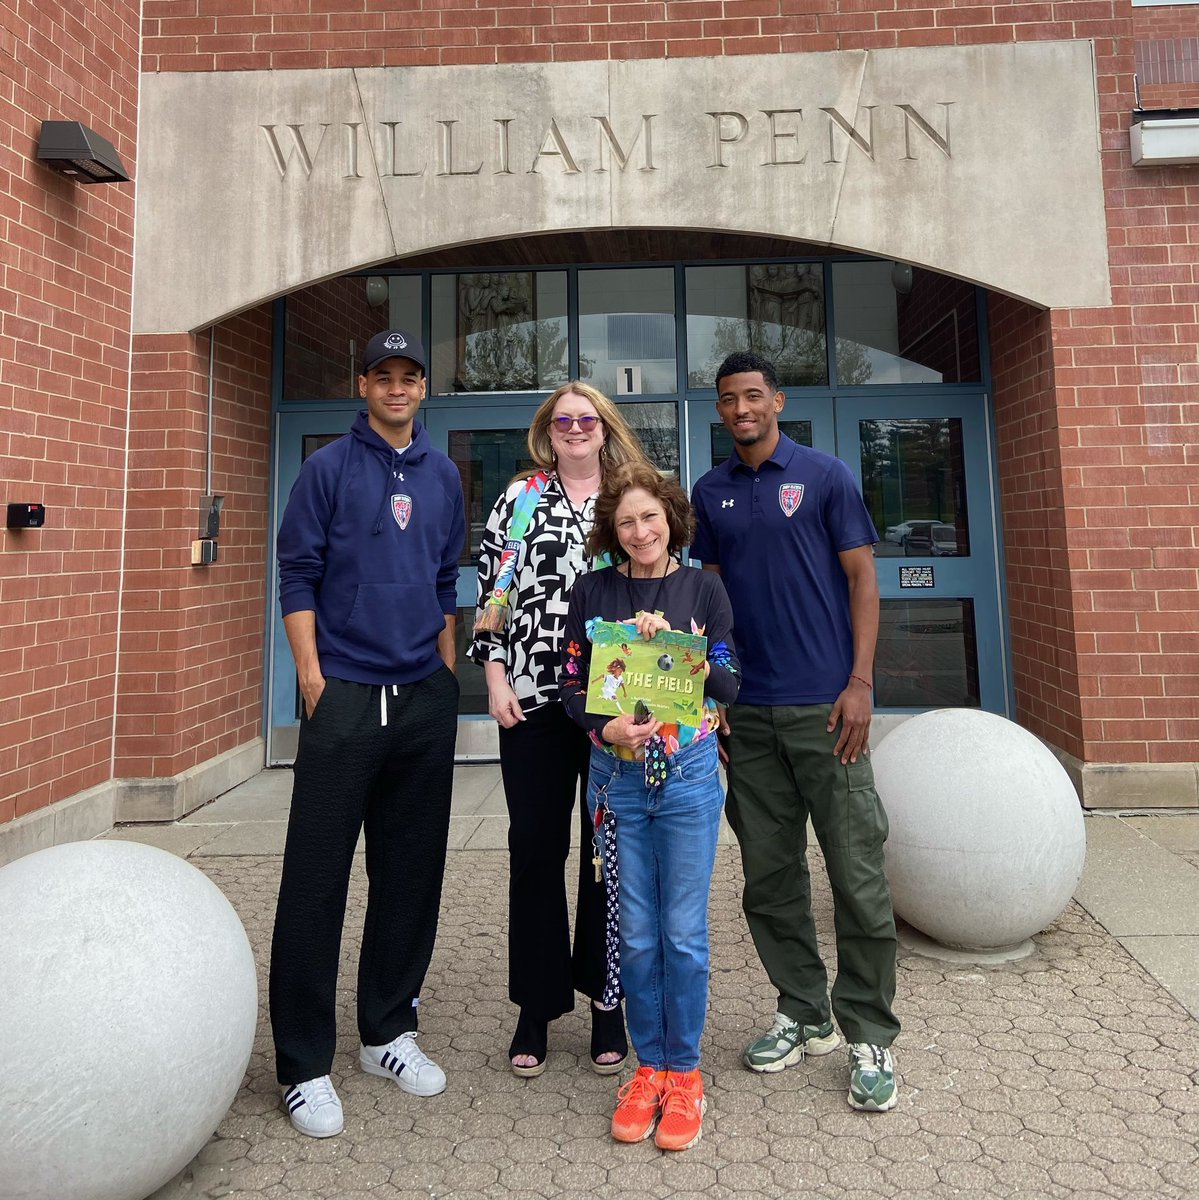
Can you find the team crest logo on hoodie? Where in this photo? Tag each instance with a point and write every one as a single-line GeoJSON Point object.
{"type": "Point", "coordinates": [401, 509]}
{"type": "Point", "coordinates": [790, 496]}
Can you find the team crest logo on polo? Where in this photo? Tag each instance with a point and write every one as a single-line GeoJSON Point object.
{"type": "Point", "coordinates": [790, 496]}
{"type": "Point", "coordinates": [401, 509]}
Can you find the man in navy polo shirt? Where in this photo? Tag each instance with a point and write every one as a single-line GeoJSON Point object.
{"type": "Point", "coordinates": [788, 531]}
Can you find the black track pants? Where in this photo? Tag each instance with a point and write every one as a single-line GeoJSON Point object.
{"type": "Point", "coordinates": [353, 771]}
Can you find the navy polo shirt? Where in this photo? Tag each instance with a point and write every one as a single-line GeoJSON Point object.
{"type": "Point", "coordinates": [775, 533]}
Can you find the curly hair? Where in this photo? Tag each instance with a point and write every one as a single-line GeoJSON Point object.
{"type": "Point", "coordinates": [680, 517]}
{"type": "Point", "coordinates": [746, 362]}
{"type": "Point", "coordinates": [620, 442]}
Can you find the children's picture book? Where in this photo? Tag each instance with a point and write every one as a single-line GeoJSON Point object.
{"type": "Point", "coordinates": [666, 673]}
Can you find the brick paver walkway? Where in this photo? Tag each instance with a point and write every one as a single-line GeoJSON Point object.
{"type": "Point", "coordinates": [1070, 1074]}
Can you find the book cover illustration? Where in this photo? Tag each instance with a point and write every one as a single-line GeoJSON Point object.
{"type": "Point", "coordinates": [666, 673]}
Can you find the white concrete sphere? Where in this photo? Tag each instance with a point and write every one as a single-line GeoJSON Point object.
{"type": "Point", "coordinates": [987, 837]}
{"type": "Point", "coordinates": [127, 1015]}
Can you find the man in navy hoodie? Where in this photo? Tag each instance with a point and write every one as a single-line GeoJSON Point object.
{"type": "Point", "coordinates": [368, 568]}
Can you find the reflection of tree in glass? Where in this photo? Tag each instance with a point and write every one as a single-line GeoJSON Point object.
{"type": "Point", "coordinates": [798, 354]}
{"type": "Point", "coordinates": [906, 467]}
{"type": "Point", "coordinates": [785, 323]}
{"type": "Point", "coordinates": [661, 446]}
{"type": "Point", "coordinates": [656, 427]}
{"type": "Point", "coordinates": [521, 357]}
{"type": "Point", "coordinates": [853, 363]}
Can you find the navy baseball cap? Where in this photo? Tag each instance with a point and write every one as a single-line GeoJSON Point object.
{"type": "Point", "coordinates": [393, 343]}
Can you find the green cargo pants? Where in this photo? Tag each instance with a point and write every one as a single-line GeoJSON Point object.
{"type": "Point", "coordinates": [781, 771]}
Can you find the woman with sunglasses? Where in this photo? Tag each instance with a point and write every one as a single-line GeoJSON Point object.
{"type": "Point", "coordinates": [532, 551]}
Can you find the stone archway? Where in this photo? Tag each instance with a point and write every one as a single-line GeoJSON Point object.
{"type": "Point", "coordinates": [980, 162]}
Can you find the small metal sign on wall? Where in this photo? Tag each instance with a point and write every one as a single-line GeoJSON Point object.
{"type": "Point", "coordinates": [916, 577]}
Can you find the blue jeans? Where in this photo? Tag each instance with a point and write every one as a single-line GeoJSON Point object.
{"type": "Point", "coordinates": [666, 848]}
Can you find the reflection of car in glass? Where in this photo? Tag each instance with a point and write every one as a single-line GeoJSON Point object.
{"type": "Point", "coordinates": [918, 541]}
{"type": "Point", "coordinates": [896, 533]}
{"type": "Point", "coordinates": [944, 540]}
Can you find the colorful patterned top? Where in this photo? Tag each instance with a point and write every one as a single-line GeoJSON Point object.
{"type": "Point", "coordinates": [551, 559]}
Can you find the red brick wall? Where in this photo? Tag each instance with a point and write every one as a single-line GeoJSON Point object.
{"type": "Point", "coordinates": [259, 35]}
{"type": "Point", "coordinates": [323, 323]}
{"type": "Point", "coordinates": [66, 259]}
{"type": "Point", "coordinates": [192, 642]}
{"type": "Point", "coordinates": [1167, 55]}
{"type": "Point", "coordinates": [1129, 424]}
{"type": "Point", "coordinates": [1040, 590]}
{"type": "Point", "coordinates": [1100, 479]}
{"type": "Point", "coordinates": [1165, 20]}
{"type": "Point", "coordinates": [938, 326]}
{"type": "Point", "coordinates": [1128, 416]}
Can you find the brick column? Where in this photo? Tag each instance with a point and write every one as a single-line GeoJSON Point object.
{"type": "Point", "coordinates": [192, 638]}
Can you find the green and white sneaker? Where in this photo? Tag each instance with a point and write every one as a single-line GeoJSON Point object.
{"type": "Point", "coordinates": [787, 1042]}
{"type": "Point", "coordinates": [871, 1078]}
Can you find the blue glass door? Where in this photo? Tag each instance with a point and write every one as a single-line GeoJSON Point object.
{"type": "Point", "coordinates": [486, 441]}
{"type": "Point", "coordinates": [297, 434]}
{"type": "Point", "coordinates": [489, 445]}
{"type": "Point", "coordinates": [925, 468]}
{"type": "Point", "coordinates": [924, 464]}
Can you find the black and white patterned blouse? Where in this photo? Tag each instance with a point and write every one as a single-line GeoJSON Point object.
{"type": "Point", "coordinates": [551, 558]}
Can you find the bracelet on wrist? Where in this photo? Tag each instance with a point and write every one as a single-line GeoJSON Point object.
{"type": "Point", "coordinates": [863, 681]}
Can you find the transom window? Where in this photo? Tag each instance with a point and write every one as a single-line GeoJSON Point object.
{"type": "Point", "coordinates": [642, 331]}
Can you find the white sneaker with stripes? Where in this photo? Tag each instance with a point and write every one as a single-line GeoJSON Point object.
{"type": "Point", "coordinates": [405, 1062]}
{"type": "Point", "coordinates": [314, 1108]}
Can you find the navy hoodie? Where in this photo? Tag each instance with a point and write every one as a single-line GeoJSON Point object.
{"type": "Point", "coordinates": [370, 542]}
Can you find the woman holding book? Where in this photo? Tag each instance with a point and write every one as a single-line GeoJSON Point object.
{"type": "Point", "coordinates": [658, 784]}
{"type": "Point", "coordinates": [533, 550]}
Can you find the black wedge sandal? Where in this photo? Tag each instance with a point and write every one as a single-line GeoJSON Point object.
{"type": "Point", "coordinates": [531, 1038]}
{"type": "Point", "coordinates": [608, 1037]}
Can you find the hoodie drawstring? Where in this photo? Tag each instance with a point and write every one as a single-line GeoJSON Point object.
{"type": "Point", "coordinates": [383, 504]}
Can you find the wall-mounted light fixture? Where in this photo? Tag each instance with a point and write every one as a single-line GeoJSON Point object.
{"type": "Point", "coordinates": [901, 277]}
{"type": "Point", "coordinates": [75, 150]}
{"type": "Point", "coordinates": [378, 290]}
{"type": "Point", "coordinates": [1166, 138]}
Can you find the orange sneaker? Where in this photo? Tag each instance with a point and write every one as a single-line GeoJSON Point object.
{"type": "Point", "coordinates": [637, 1105]}
{"type": "Point", "coordinates": [683, 1108]}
